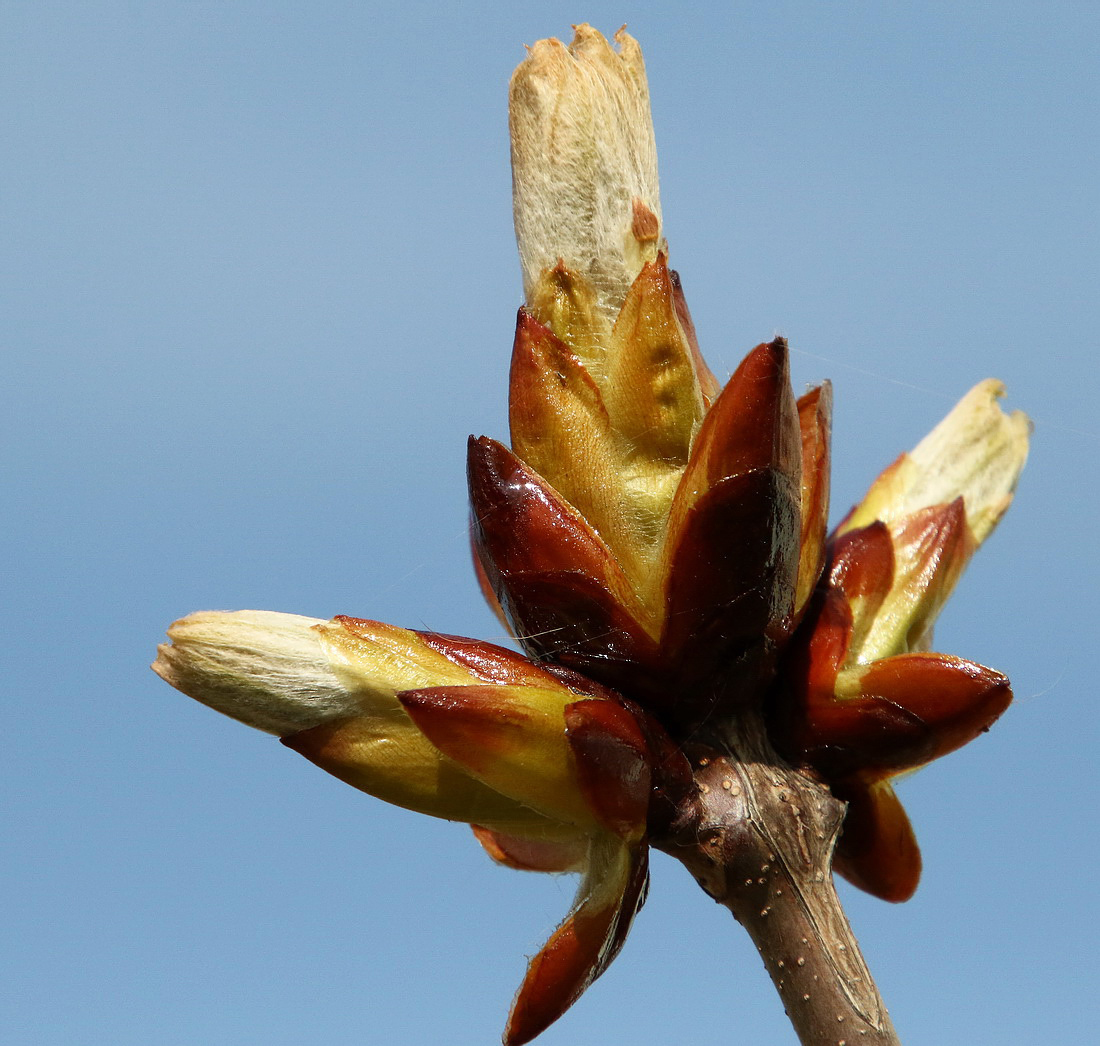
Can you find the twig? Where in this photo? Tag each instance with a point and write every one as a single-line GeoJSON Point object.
{"type": "Point", "coordinates": [763, 848]}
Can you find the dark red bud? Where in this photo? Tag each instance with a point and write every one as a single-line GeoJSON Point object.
{"type": "Point", "coordinates": [731, 586]}
{"type": "Point", "coordinates": [863, 565]}
{"type": "Point", "coordinates": [877, 851]}
{"type": "Point", "coordinates": [613, 763]}
{"type": "Point", "coordinates": [559, 585]}
{"type": "Point", "coordinates": [578, 952]}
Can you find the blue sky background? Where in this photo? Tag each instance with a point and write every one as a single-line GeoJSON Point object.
{"type": "Point", "coordinates": [259, 285]}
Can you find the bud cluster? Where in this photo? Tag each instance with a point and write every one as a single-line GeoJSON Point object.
{"type": "Point", "coordinates": [658, 545]}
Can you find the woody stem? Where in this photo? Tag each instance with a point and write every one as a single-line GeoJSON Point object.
{"type": "Point", "coordinates": [763, 849]}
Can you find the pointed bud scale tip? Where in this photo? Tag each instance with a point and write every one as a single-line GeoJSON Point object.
{"type": "Point", "coordinates": [610, 894]}
{"type": "Point", "coordinates": [559, 425]}
{"type": "Point", "coordinates": [584, 163]}
{"type": "Point", "coordinates": [734, 532]}
{"type": "Point", "coordinates": [899, 714]}
{"type": "Point", "coordinates": [523, 525]}
{"type": "Point", "coordinates": [752, 425]}
{"type": "Point", "coordinates": [878, 851]}
{"type": "Point", "coordinates": [709, 386]}
{"type": "Point", "coordinates": [559, 584]}
{"type": "Point", "coordinates": [652, 389]}
{"type": "Point", "coordinates": [565, 303]}
{"type": "Point", "coordinates": [931, 548]}
{"type": "Point", "coordinates": [955, 700]}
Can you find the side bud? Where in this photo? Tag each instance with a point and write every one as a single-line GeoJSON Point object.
{"type": "Point", "coordinates": [977, 453]}
{"type": "Point", "coordinates": [330, 690]}
{"type": "Point", "coordinates": [936, 505]}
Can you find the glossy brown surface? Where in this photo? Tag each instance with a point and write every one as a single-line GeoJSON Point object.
{"type": "Point", "coordinates": [752, 425]}
{"type": "Point", "coordinates": [877, 851]}
{"type": "Point", "coordinates": [904, 711]}
{"type": "Point", "coordinates": [562, 590]}
{"type": "Point", "coordinates": [579, 950]}
{"type": "Point", "coordinates": [487, 661]}
{"type": "Point", "coordinates": [613, 764]}
{"type": "Point", "coordinates": [730, 602]}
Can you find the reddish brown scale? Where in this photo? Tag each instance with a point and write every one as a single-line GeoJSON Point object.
{"type": "Point", "coordinates": [916, 708]}
{"type": "Point", "coordinates": [829, 639]}
{"type": "Point", "coordinates": [734, 535]}
{"type": "Point", "coordinates": [673, 783]}
{"type": "Point", "coordinates": [532, 855]}
{"type": "Point", "coordinates": [862, 565]}
{"type": "Point", "coordinates": [815, 411]}
{"type": "Point", "coordinates": [522, 525]}
{"type": "Point", "coordinates": [578, 952]}
{"type": "Point", "coordinates": [645, 226]}
{"type": "Point", "coordinates": [908, 710]}
{"type": "Point", "coordinates": [486, 661]}
{"type": "Point", "coordinates": [560, 587]}
{"type": "Point", "coordinates": [730, 592]}
{"type": "Point", "coordinates": [613, 763]}
{"type": "Point", "coordinates": [877, 851]}
{"type": "Point", "coordinates": [472, 725]}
